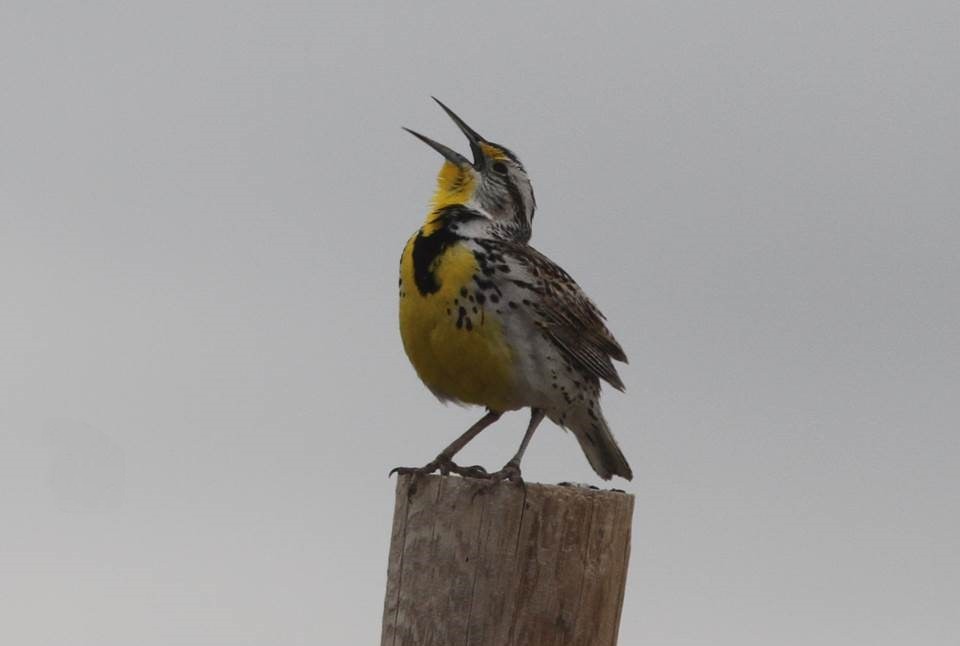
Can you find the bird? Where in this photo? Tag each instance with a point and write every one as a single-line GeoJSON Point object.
{"type": "Point", "coordinates": [487, 320]}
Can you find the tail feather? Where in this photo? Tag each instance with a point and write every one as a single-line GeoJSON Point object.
{"type": "Point", "coordinates": [598, 443]}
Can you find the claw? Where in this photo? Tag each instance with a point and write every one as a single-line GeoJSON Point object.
{"type": "Point", "coordinates": [439, 464]}
{"type": "Point", "coordinates": [509, 472]}
{"type": "Point", "coordinates": [416, 472]}
{"type": "Point", "coordinates": [445, 466]}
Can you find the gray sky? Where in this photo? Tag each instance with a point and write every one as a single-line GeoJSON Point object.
{"type": "Point", "coordinates": [202, 386]}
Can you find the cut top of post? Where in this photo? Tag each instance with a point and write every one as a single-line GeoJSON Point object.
{"type": "Point", "coordinates": [483, 565]}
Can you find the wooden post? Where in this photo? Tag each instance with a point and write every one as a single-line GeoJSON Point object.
{"type": "Point", "coordinates": [507, 566]}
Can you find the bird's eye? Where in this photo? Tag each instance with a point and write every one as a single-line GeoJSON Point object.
{"type": "Point", "coordinates": [500, 167]}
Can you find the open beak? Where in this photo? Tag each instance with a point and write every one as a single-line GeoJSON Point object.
{"type": "Point", "coordinates": [451, 155]}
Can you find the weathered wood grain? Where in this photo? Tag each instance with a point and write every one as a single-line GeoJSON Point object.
{"type": "Point", "coordinates": [507, 565]}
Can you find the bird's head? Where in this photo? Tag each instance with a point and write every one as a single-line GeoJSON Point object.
{"type": "Point", "coordinates": [494, 183]}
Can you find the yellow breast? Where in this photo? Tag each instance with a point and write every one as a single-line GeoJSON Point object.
{"type": "Point", "coordinates": [451, 334]}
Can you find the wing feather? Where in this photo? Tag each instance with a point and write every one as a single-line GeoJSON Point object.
{"type": "Point", "coordinates": [563, 312]}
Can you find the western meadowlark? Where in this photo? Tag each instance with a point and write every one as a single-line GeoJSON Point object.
{"type": "Point", "coordinates": [488, 320]}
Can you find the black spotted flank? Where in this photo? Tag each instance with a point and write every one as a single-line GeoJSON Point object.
{"type": "Point", "coordinates": [487, 285]}
{"type": "Point", "coordinates": [522, 284]}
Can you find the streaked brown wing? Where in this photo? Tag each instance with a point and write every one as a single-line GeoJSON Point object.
{"type": "Point", "coordinates": [565, 314]}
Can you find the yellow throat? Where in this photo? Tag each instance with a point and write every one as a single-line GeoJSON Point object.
{"type": "Point", "coordinates": [455, 185]}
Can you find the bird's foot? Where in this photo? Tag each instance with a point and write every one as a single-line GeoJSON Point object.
{"type": "Point", "coordinates": [440, 463]}
{"type": "Point", "coordinates": [445, 466]}
{"type": "Point", "coordinates": [510, 471]}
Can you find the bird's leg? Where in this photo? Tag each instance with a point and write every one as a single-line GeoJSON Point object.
{"type": "Point", "coordinates": [444, 461]}
{"type": "Point", "coordinates": [447, 454]}
{"type": "Point", "coordinates": [511, 470]}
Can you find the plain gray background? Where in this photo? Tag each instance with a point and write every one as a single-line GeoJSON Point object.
{"type": "Point", "coordinates": [202, 386]}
